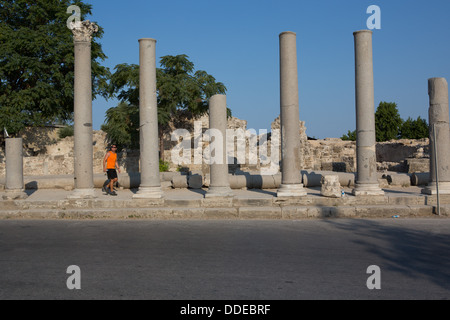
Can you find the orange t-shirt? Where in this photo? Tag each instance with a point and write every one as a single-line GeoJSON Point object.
{"type": "Point", "coordinates": [111, 161]}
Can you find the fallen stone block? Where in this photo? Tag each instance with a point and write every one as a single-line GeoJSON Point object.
{"type": "Point", "coordinates": [330, 186]}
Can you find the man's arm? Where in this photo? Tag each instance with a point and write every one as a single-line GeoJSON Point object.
{"type": "Point", "coordinates": [117, 165]}
{"type": "Point", "coordinates": [104, 161]}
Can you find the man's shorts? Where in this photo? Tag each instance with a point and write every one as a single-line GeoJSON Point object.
{"type": "Point", "coordinates": [112, 174]}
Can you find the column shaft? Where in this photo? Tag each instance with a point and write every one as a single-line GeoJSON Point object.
{"type": "Point", "coordinates": [438, 114]}
{"type": "Point", "coordinates": [14, 188]}
{"type": "Point", "coordinates": [83, 136]}
{"type": "Point", "coordinates": [367, 181]}
{"type": "Point", "coordinates": [289, 118]}
{"type": "Point", "coordinates": [150, 186]}
{"type": "Point", "coordinates": [219, 183]}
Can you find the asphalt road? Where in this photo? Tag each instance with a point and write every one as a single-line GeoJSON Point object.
{"type": "Point", "coordinates": [226, 260]}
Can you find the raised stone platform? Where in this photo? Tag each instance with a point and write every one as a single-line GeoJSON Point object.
{"type": "Point", "coordinates": [246, 204]}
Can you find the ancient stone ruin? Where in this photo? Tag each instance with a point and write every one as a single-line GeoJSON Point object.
{"type": "Point", "coordinates": [232, 155]}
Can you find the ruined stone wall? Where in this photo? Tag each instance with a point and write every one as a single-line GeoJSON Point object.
{"type": "Point", "coordinates": [46, 154]}
{"type": "Point", "coordinates": [403, 155]}
{"type": "Point", "coordinates": [331, 154]}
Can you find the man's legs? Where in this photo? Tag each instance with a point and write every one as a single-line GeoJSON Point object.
{"type": "Point", "coordinates": [112, 178]}
{"type": "Point", "coordinates": [111, 184]}
{"type": "Point", "coordinates": [106, 184]}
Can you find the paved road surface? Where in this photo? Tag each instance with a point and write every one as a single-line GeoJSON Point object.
{"type": "Point", "coordinates": [310, 259]}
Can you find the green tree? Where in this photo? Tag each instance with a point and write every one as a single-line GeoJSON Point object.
{"type": "Point", "coordinates": [37, 63]}
{"type": "Point", "coordinates": [182, 93]}
{"type": "Point", "coordinates": [122, 124]}
{"type": "Point", "coordinates": [350, 136]}
{"type": "Point", "coordinates": [387, 121]}
{"type": "Point", "coordinates": [414, 129]}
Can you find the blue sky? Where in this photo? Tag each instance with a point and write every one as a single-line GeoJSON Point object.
{"type": "Point", "coordinates": [237, 42]}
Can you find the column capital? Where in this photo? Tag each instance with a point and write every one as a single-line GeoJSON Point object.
{"type": "Point", "coordinates": [147, 39]}
{"type": "Point", "coordinates": [83, 30]}
{"type": "Point", "coordinates": [284, 33]}
{"type": "Point", "coordinates": [362, 32]}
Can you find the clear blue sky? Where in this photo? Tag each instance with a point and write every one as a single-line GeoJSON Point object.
{"type": "Point", "coordinates": [237, 41]}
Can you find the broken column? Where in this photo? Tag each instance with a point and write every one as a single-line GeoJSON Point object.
{"type": "Point", "coordinates": [219, 185]}
{"type": "Point", "coordinates": [330, 186]}
{"type": "Point", "coordinates": [14, 188]}
{"type": "Point", "coordinates": [83, 136]}
{"type": "Point", "coordinates": [291, 179]}
{"type": "Point", "coordinates": [438, 114]}
{"type": "Point", "coordinates": [366, 178]}
{"type": "Point", "coordinates": [150, 186]}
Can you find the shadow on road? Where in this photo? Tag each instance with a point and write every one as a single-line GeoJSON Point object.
{"type": "Point", "coordinates": [411, 252]}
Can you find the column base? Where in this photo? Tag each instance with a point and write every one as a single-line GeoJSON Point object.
{"type": "Point", "coordinates": [14, 194]}
{"type": "Point", "coordinates": [149, 193]}
{"type": "Point", "coordinates": [444, 188]}
{"type": "Point", "coordinates": [367, 189]}
{"type": "Point", "coordinates": [82, 194]}
{"type": "Point", "coordinates": [291, 190]}
{"type": "Point", "coordinates": [219, 192]}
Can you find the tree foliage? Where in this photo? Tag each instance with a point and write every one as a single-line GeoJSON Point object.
{"type": "Point", "coordinates": [182, 93]}
{"type": "Point", "coordinates": [414, 129]}
{"type": "Point", "coordinates": [387, 122]}
{"type": "Point", "coordinates": [389, 125]}
{"type": "Point", "coordinates": [121, 125]}
{"type": "Point", "coordinates": [350, 136]}
{"type": "Point", "coordinates": [37, 62]}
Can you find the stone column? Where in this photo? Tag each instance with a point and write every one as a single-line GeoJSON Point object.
{"type": "Point", "coordinates": [366, 178]}
{"type": "Point", "coordinates": [219, 185]}
{"type": "Point", "coordinates": [83, 136]}
{"type": "Point", "coordinates": [438, 114]}
{"type": "Point", "coordinates": [291, 185]}
{"type": "Point", "coordinates": [150, 186]}
{"type": "Point", "coordinates": [14, 188]}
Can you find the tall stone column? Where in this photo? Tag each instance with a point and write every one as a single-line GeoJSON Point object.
{"type": "Point", "coordinates": [83, 136]}
{"type": "Point", "coordinates": [438, 114]}
{"type": "Point", "coordinates": [219, 184]}
{"type": "Point", "coordinates": [14, 188]}
{"type": "Point", "coordinates": [150, 186]}
{"type": "Point", "coordinates": [291, 185]}
{"type": "Point", "coordinates": [366, 180]}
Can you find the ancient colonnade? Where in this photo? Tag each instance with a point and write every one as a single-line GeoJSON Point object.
{"type": "Point", "coordinates": [366, 183]}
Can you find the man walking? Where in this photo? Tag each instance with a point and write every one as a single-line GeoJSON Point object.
{"type": "Point", "coordinates": [109, 166]}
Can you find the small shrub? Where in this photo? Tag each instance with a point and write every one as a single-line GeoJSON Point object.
{"type": "Point", "coordinates": [66, 132]}
{"type": "Point", "coordinates": [163, 166]}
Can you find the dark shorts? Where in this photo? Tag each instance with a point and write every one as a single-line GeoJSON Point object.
{"type": "Point", "coordinates": [112, 174]}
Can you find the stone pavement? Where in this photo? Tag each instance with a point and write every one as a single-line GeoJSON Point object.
{"type": "Point", "coordinates": [246, 204]}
